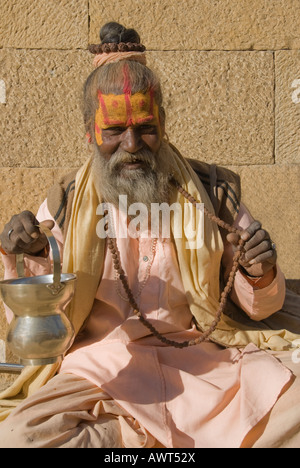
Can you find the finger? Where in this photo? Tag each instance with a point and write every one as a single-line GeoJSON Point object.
{"type": "Point", "coordinates": [251, 230]}
{"type": "Point", "coordinates": [30, 222]}
{"type": "Point", "coordinates": [21, 247]}
{"type": "Point", "coordinates": [269, 255]}
{"type": "Point", "coordinates": [49, 224]}
{"type": "Point", "coordinates": [259, 249]}
{"type": "Point", "coordinates": [18, 241]}
{"type": "Point", "coordinates": [16, 232]}
{"type": "Point", "coordinates": [22, 234]}
{"type": "Point", "coordinates": [258, 238]}
{"type": "Point", "coordinates": [21, 238]}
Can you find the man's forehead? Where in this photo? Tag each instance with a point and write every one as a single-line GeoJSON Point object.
{"type": "Point", "coordinates": [125, 110]}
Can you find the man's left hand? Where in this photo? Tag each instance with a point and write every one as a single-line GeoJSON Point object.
{"type": "Point", "coordinates": [260, 253]}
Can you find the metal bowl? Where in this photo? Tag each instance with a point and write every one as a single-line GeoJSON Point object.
{"type": "Point", "coordinates": [40, 332]}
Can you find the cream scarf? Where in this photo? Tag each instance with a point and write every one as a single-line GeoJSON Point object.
{"type": "Point", "coordinates": [84, 251]}
{"type": "Point", "coordinates": [84, 255]}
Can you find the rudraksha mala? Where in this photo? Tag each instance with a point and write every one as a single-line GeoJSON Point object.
{"type": "Point", "coordinates": [111, 47]}
{"type": "Point", "coordinates": [112, 245]}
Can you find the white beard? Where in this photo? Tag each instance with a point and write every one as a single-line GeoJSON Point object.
{"type": "Point", "coordinates": [146, 184]}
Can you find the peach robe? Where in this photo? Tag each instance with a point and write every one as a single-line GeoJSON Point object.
{"type": "Point", "coordinates": [201, 396]}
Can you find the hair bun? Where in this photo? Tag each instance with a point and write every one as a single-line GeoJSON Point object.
{"type": "Point", "coordinates": [115, 33]}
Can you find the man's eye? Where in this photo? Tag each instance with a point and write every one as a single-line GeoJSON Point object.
{"type": "Point", "coordinates": [114, 130]}
{"type": "Point", "coordinates": [148, 129]}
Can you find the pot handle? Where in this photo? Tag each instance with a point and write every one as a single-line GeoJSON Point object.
{"type": "Point", "coordinates": [57, 285]}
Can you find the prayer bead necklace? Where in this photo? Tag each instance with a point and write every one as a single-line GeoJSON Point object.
{"type": "Point", "coordinates": [112, 245]}
{"type": "Point", "coordinates": [110, 222]}
{"type": "Point", "coordinates": [146, 277]}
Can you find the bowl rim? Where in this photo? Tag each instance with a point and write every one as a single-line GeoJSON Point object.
{"type": "Point", "coordinates": [36, 280]}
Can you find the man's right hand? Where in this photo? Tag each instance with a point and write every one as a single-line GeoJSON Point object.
{"type": "Point", "coordinates": [21, 234]}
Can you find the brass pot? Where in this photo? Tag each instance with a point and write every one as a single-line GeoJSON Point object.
{"type": "Point", "coordinates": [40, 332]}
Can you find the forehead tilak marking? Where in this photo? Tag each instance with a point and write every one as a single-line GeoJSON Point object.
{"type": "Point", "coordinates": [127, 88]}
{"type": "Point", "coordinates": [137, 108]}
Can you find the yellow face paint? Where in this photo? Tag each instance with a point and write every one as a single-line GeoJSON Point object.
{"type": "Point", "coordinates": [125, 110]}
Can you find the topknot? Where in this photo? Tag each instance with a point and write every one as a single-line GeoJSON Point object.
{"type": "Point", "coordinates": [115, 32]}
{"type": "Point", "coordinates": [116, 38]}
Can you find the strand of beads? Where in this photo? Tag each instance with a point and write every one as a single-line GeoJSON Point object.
{"type": "Point", "coordinates": [112, 245]}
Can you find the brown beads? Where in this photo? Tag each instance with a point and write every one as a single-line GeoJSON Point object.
{"type": "Point", "coordinates": [111, 47]}
{"type": "Point", "coordinates": [112, 245]}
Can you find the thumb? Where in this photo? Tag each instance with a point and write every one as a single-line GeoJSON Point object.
{"type": "Point", "coordinates": [233, 238]}
{"type": "Point", "coordinates": [48, 223]}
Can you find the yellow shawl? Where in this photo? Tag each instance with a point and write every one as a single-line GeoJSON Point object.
{"type": "Point", "coordinates": [84, 255]}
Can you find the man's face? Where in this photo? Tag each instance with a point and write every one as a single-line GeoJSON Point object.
{"type": "Point", "coordinates": [131, 139]}
{"type": "Point", "coordinates": [129, 135]}
{"type": "Point", "coordinates": [129, 123]}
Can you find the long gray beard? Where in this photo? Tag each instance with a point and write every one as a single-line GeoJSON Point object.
{"type": "Point", "coordinates": [147, 184]}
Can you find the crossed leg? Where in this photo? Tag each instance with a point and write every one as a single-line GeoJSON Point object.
{"type": "Point", "coordinates": [71, 412]}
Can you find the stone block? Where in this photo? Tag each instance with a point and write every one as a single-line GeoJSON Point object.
{"type": "Point", "coordinates": [41, 124]}
{"type": "Point", "coordinates": [219, 105]}
{"type": "Point", "coordinates": [59, 24]}
{"type": "Point", "coordinates": [287, 110]}
{"type": "Point", "coordinates": [272, 195]}
{"type": "Point", "coordinates": [204, 25]}
{"type": "Point", "coordinates": [22, 189]}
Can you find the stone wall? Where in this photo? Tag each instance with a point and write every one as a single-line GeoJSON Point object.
{"type": "Point", "coordinates": [230, 72]}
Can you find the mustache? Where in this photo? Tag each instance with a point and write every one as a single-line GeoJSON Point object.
{"type": "Point", "coordinates": [120, 157]}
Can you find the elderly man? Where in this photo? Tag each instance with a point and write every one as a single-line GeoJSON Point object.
{"type": "Point", "coordinates": [159, 360]}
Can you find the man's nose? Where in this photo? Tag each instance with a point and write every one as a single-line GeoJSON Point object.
{"type": "Point", "coordinates": [131, 141]}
